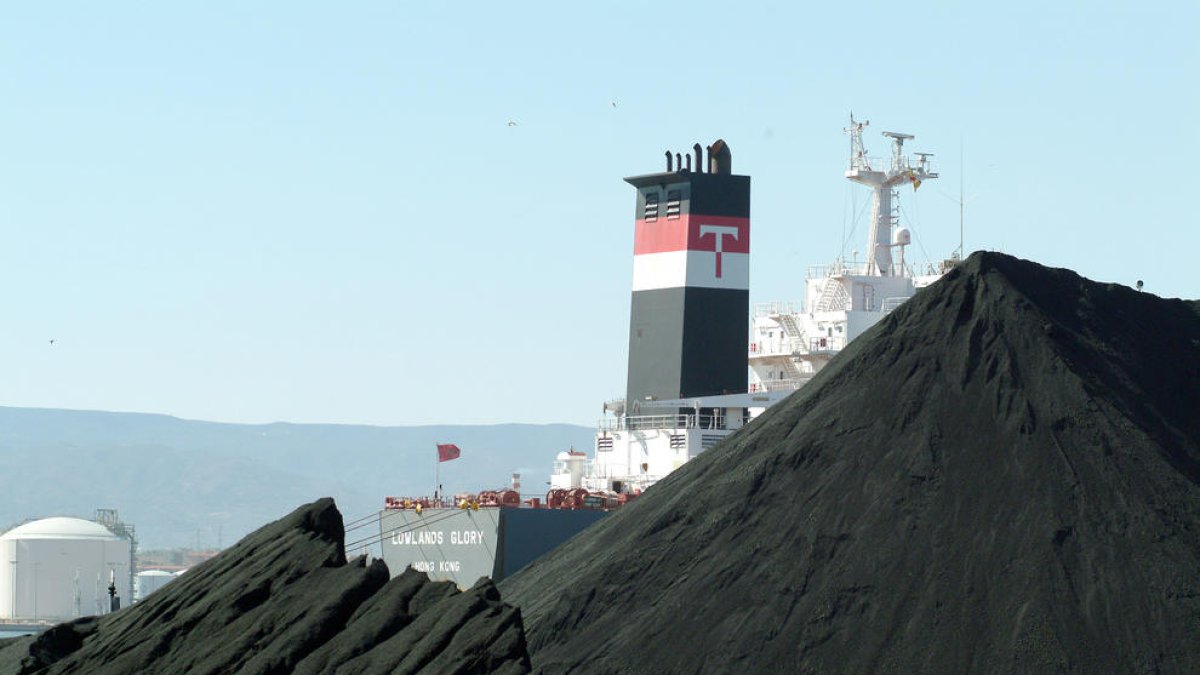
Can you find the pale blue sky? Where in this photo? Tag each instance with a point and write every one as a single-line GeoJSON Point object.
{"type": "Point", "coordinates": [317, 212]}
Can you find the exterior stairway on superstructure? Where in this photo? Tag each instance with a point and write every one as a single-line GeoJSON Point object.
{"type": "Point", "coordinates": [792, 370]}
{"type": "Point", "coordinates": [795, 338]}
{"type": "Point", "coordinates": [834, 297]}
{"type": "Point", "coordinates": [791, 329]}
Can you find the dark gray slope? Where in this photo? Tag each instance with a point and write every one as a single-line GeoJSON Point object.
{"type": "Point", "coordinates": [1003, 476]}
{"type": "Point", "coordinates": [283, 600]}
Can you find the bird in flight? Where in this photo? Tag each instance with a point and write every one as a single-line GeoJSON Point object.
{"type": "Point", "coordinates": [511, 123]}
{"type": "Point", "coordinates": [52, 341]}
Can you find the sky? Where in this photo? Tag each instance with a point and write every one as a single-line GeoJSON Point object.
{"type": "Point", "coordinates": [403, 213]}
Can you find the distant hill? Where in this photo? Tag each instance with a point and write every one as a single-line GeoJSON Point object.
{"type": "Point", "coordinates": [189, 483]}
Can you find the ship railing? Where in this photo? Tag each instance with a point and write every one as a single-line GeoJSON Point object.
{"type": "Point", "coordinates": [630, 483]}
{"type": "Point", "coordinates": [843, 268]}
{"type": "Point", "coordinates": [921, 269]}
{"type": "Point", "coordinates": [769, 349]}
{"type": "Point", "coordinates": [636, 422]}
{"type": "Point", "coordinates": [836, 269]}
{"type": "Point", "coordinates": [619, 472]}
{"type": "Point", "coordinates": [890, 304]}
{"type": "Point", "coordinates": [615, 405]}
{"type": "Point", "coordinates": [401, 503]}
{"type": "Point", "coordinates": [823, 345]}
{"type": "Point", "coordinates": [765, 309]}
{"type": "Point", "coordinates": [789, 384]}
{"type": "Point", "coordinates": [874, 163]}
{"type": "Point", "coordinates": [640, 483]}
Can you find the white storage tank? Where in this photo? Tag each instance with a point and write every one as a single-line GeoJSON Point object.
{"type": "Point", "coordinates": [149, 581]}
{"type": "Point", "coordinates": [57, 569]}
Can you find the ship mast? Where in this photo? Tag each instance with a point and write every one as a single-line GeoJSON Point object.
{"type": "Point", "coordinates": [882, 182]}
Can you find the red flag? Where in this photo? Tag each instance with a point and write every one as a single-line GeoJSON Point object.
{"type": "Point", "coordinates": [447, 452]}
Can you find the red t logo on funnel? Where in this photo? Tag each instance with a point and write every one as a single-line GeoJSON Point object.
{"type": "Point", "coordinates": [719, 231]}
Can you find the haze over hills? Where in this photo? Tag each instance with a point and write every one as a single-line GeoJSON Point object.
{"type": "Point", "coordinates": [192, 483]}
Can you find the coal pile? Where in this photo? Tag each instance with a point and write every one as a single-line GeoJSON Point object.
{"type": "Point", "coordinates": [1002, 476]}
{"type": "Point", "coordinates": [285, 600]}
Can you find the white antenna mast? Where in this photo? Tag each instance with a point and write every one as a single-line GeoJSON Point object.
{"type": "Point", "coordinates": [883, 219]}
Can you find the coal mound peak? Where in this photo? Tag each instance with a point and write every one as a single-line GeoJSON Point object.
{"type": "Point", "coordinates": [285, 600]}
{"type": "Point", "coordinates": [1001, 476]}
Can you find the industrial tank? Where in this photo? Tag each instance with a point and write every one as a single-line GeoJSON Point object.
{"type": "Point", "coordinates": [149, 581]}
{"type": "Point", "coordinates": [57, 569]}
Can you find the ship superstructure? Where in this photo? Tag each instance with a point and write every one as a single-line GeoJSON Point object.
{"type": "Point", "coordinates": [687, 386]}
{"type": "Point", "coordinates": [791, 341]}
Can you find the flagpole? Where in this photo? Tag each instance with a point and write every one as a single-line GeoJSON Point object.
{"type": "Point", "coordinates": [437, 468]}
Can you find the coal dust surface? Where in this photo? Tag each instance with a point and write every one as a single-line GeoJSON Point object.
{"type": "Point", "coordinates": [1001, 476]}
{"type": "Point", "coordinates": [286, 600]}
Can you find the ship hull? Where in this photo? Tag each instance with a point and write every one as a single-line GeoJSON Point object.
{"type": "Point", "coordinates": [463, 545]}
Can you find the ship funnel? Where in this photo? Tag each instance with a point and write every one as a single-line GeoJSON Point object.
{"type": "Point", "coordinates": [720, 159]}
{"type": "Point", "coordinates": [691, 281]}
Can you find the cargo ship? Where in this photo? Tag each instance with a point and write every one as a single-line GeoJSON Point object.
{"type": "Point", "coordinates": [687, 387]}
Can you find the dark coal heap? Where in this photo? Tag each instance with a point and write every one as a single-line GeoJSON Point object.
{"type": "Point", "coordinates": [1003, 476]}
{"type": "Point", "coordinates": [285, 600]}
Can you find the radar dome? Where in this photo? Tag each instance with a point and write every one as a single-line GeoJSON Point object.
{"type": "Point", "coordinates": [902, 237]}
